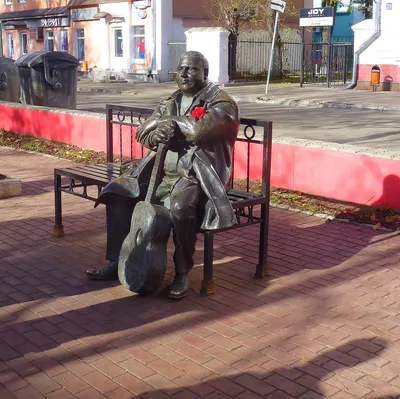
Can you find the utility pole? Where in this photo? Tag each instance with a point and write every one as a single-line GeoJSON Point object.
{"type": "Point", "coordinates": [278, 6]}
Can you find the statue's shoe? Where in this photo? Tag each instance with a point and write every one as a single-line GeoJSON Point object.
{"type": "Point", "coordinates": [180, 286]}
{"type": "Point", "coordinates": [109, 272]}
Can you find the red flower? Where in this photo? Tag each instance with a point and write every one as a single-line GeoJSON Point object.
{"type": "Point", "coordinates": [198, 112]}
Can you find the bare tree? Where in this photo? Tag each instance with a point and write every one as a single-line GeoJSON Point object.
{"type": "Point", "coordinates": [234, 14]}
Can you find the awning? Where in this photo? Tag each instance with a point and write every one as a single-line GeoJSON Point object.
{"type": "Point", "coordinates": [109, 17]}
{"type": "Point", "coordinates": [34, 14]}
{"type": "Point", "coordinates": [13, 24]}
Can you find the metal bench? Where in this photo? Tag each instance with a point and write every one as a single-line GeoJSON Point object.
{"type": "Point", "coordinates": [250, 207]}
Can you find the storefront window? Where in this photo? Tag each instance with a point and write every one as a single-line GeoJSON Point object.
{"type": "Point", "coordinates": [118, 43]}
{"type": "Point", "coordinates": [80, 44]}
{"type": "Point", "coordinates": [49, 40]}
{"type": "Point", "coordinates": [138, 42]}
{"type": "Point", "coordinates": [10, 45]}
{"type": "Point", "coordinates": [24, 43]}
{"type": "Point", "coordinates": [64, 41]}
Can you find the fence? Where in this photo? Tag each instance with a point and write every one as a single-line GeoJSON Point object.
{"type": "Point", "coordinates": [248, 59]}
{"type": "Point", "coordinates": [175, 50]}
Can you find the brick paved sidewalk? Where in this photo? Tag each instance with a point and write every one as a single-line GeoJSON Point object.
{"type": "Point", "coordinates": [324, 325]}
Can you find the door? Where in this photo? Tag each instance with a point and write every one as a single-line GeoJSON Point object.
{"type": "Point", "coordinates": [117, 49]}
{"type": "Point", "coordinates": [10, 45]}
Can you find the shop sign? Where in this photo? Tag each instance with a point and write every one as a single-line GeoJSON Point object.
{"type": "Point", "coordinates": [324, 16]}
{"type": "Point", "coordinates": [84, 14]}
{"type": "Point", "coordinates": [47, 22]}
{"type": "Point", "coordinates": [142, 4]}
{"type": "Point", "coordinates": [50, 22]}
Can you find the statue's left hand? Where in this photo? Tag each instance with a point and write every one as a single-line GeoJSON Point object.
{"type": "Point", "coordinates": [163, 133]}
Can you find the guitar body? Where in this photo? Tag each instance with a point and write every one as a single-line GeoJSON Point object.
{"type": "Point", "coordinates": [142, 260]}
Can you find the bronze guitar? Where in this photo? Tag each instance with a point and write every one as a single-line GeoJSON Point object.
{"type": "Point", "coordinates": [142, 260]}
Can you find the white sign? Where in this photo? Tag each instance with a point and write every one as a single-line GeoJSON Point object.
{"type": "Point", "coordinates": [278, 5]}
{"type": "Point", "coordinates": [327, 21]}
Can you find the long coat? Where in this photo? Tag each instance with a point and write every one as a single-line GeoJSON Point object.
{"type": "Point", "coordinates": [210, 141]}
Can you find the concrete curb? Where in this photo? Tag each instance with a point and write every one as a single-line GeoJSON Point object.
{"type": "Point", "coordinates": [313, 103]}
{"type": "Point", "coordinates": [326, 145]}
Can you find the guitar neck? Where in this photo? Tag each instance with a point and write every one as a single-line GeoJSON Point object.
{"type": "Point", "coordinates": [156, 173]}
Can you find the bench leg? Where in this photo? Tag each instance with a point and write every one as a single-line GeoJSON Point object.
{"type": "Point", "coordinates": [207, 285]}
{"type": "Point", "coordinates": [262, 267]}
{"type": "Point", "coordinates": [58, 227]}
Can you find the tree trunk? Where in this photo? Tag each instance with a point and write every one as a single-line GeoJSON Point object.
{"type": "Point", "coordinates": [277, 71]}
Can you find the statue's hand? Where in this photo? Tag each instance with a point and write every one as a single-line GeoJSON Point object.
{"type": "Point", "coordinates": [163, 133]}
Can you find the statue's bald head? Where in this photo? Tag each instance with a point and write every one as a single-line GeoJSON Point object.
{"type": "Point", "coordinates": [192, 72]}
{"type": "Point", "coordinates": [197, 56]}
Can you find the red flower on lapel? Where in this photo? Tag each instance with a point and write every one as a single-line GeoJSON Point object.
{"type": "Point", "coordinates": [198, 112]}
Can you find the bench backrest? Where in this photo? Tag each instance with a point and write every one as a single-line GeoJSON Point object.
{"type": "Point", "coordinates": [254, 135]}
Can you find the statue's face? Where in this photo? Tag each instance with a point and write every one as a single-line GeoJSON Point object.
{"type": "Point", "coordinates": [190, 77]}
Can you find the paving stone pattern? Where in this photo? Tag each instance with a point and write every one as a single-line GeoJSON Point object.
{"type": "Point", "coordinates": [325, 324]}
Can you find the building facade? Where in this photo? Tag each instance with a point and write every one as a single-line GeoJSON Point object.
{"type": "Point", "coordinates": [122, 37]}
{"type": "Point", "coordinates": [113, 35]}
{"type": "Point", "coordinates": [377, 46]}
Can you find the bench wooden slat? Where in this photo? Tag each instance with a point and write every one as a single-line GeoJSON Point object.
{"type": "Point", "coordinates": [102, 168]}
{"type": "Point", "coordinates": [250, 202]}
{"type": "Point", "coordinates": [84, 177]}
{"type": "Point", "coordinates": [238, 195]}
{"type": "Point", "coordinates": [104, 172]}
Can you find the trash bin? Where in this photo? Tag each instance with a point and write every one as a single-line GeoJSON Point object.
{"type": "Point", "coordinates": [48, 78]}
{"type": "Point", "coordinates": [9, 81]}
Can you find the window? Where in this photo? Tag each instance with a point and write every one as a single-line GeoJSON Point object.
{"type": "Point", "coordinates": [49, 40]}
{"type": "Point", "coordinates": [7, 2]}
{"type": "Point", "coordinates": [24, 43]}
{"type": "Point", "coordinates": [139, 44]}
{"type": "Point", "coordinates": [10, 45]}
{"type": "Point", "coordinates": [118, 44]}
{"type": "Point", "coordinates": [64, 40]}
{"type": "Point", "coordinates": [80, 44]}
{"type": "Point", "coordinates": [21, 1]}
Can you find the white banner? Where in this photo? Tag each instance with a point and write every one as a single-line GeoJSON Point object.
{"type": "Point", "coordinates": [278, 5]}
{"type": "Point", "coordinates": [323, 21]}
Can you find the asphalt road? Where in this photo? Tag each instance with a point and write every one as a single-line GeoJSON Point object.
{"type": "Point", "coordinates": [363, 128]}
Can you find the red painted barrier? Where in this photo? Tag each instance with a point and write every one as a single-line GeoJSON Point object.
{"type": "Point", "coordinates": [82, 129]}
{"type": "Point", "coordinates": [341, 175]}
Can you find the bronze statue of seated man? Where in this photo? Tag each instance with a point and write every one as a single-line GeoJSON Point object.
{"type": "Point", "coordinates": [200, 122]}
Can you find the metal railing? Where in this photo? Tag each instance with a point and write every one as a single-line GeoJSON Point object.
{"type": "Point", "coordinates": [175, 50]}
{"type": "Point", "coordinates": [248, 59]}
